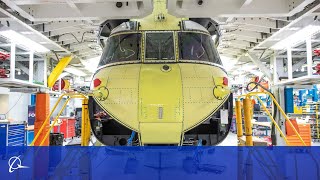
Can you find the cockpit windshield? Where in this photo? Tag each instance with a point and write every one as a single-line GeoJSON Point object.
{"type": "Point", "coordinates": [159, 46]}
{"type": "Point", "coordinates": [123, 47]}
{"type": "Point", "coordinates": [197, 47]}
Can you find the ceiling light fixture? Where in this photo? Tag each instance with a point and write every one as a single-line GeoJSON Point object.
{"type": "Point", "coordinates": [19, 39]}
{"type": "Point", "coordinates": [297, 37]}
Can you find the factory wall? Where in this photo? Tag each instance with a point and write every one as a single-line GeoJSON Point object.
{"type": "Point", "coordinates": [4, 102]}
{"type": "Point", "coordinates": [19, 102]}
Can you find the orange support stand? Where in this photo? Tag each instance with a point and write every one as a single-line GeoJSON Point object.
{"type": "Point", "coordinates": [42, 111]}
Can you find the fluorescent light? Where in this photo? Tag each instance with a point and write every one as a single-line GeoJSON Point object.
{"type": "Point", "coordinates": [23, 41]}
{"type": "Point", "coordinates": [26, 32]}
{"type": "Point", "coordinates": [74, 71]}
{"type": "Point", "coordinates": [296, 37]}
{"type": "Point", "coordinates": [293, 28]}
{"type": "Point", "coordinates": [44, 42]}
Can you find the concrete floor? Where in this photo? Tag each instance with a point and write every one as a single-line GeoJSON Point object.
{"type": "Point", "coordinates": [231, 140]}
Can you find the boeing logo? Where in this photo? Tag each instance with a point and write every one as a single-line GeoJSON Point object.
{"type": "Point", "coordinates": [15, 163]}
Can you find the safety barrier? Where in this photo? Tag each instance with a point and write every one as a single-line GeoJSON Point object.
{"type": "Point", "coordinates": [248, 117]}
{"type": "Point", "coordinates": [85, 124]}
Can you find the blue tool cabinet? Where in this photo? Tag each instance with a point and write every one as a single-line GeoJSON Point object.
{"type": "Point", "coordinates": [12, 134]}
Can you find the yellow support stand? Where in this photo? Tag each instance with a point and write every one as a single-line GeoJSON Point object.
{"type": "Point", "coordinates": [80, 96]}
{"type": "Point", "coordinates": [247, 121]}
{"type": "Point", "coordinates": [63, 63]}
{"type": "Point", "coordinates": [281, 111]}
{"type": "Point", "coordinates": [85, 124]}
{"type": "Point", "coordinates": [239, 119]}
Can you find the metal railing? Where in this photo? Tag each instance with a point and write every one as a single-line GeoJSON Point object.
{"type": "Point", "coordinates": [248, 116]}
{"type": "Point", "coordinates": [85, 126]}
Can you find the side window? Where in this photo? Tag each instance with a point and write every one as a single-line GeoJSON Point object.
{"type": "Point", "coordinates": [197, 46]}
{"type": "Point", "coordinates": [159, 46]}
{"type": "Point", "coordinates": [119, 48]}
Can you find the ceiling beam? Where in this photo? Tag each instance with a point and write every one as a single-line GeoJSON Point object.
{"type": "Point", "coordinates": [265, 70]}
{"type": "Point", "coordinates": [21, 11]}
{"type": "Point", "coordinates": [57, 25]}
{"type": "Point", "coordinates": [87, 11]}
{"type": "Point", "coordinates": [237, 8]}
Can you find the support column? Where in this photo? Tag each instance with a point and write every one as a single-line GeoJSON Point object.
{"type": "Point", "coordinates": [85, 124]}
{"type": "Point", "coordinates": [31, 55]}
{"type": "Point", "coordinates": [45, 76]}
{"type": "Point", "coordinates": [239, 119]}
{"type": "Point", "coordinates": [12, 60]}
{"type": "Point", "coordinates": [42, 112]}
{"type": "Point", "coordinates": [309, 56]}
{"type": "Point", "coordinates": [247, 121]}
{"type": "Point", "coordinates": [289, 62]}
{"type": "Point", "coordinates": [275, 69]}
{"type": "Point", "coordinates": [279, 96]}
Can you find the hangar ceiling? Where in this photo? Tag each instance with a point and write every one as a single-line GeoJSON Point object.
{"type": "Point", "coordinates": [248, 26]}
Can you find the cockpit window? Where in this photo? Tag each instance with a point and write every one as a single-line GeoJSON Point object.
{"type": "Point", "coordinates": [119, 48]}
{"type": "Point", "coordinates": [197, 46]}
{"type": "Point", "coordinates": [159, 46]}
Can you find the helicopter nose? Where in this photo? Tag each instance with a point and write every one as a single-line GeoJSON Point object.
{"type": "Point", "coordinates": [160, 93]}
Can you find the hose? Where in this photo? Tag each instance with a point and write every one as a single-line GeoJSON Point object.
{"type": "Point", "coordinates": [275, 109]}
{"type": "Point", "coordinates": [133, 134]}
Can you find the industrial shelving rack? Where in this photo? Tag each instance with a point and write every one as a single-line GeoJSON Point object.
{"type": "Point", "coordinates": [314, 122]}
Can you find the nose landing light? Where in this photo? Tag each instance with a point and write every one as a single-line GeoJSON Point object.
{"type": "Point", "coordinates": [220, 92]}
{"type": "Point", "coordinates": [101, 94]}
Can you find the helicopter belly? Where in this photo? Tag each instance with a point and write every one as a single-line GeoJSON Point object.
{"type": "Point", "coordinates": [160, 101]}
{"type": "Point", "coordinates": [161, 104]}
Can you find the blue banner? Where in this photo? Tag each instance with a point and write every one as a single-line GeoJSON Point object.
{"type": "Point", "coordinates": [75, 162]}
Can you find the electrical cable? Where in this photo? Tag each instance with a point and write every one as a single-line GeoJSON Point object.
{"type": "Point", "coordinates": [82, 37]}
{"type": "Point", "coordinates": [73, 36]}
{"type": "Point", "coordinates": [14, 104]}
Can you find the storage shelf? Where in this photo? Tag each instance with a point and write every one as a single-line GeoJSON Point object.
{"type": "Point", "coordinates": [304, 80]}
